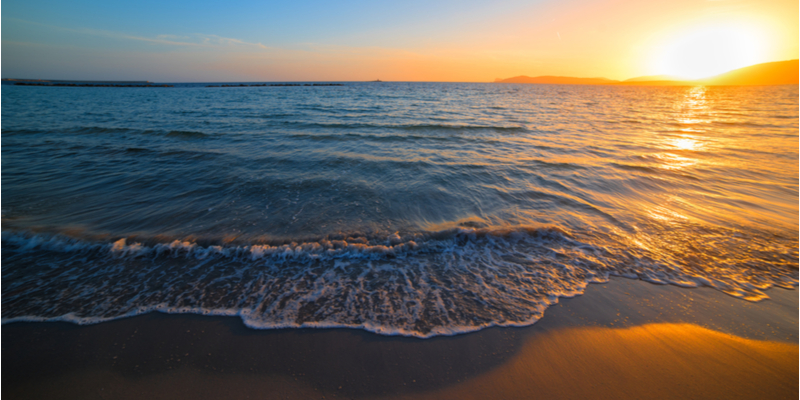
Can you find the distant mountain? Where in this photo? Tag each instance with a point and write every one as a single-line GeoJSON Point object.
{"type": "Point", "coordinates": [772, 73]}
{"type": "Point", "coordinates": [557, 80]}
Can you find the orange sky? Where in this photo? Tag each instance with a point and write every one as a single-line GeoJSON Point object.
{"type": "Point", "coordinates": [441, 41]}
{"type": "Point", "coordinates": [616, 39]}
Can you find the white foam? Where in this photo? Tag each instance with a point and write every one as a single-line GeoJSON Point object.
{"type": "Point", "coordinates": [421, 285]}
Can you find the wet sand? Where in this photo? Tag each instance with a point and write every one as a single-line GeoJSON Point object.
{"type": "Point", "coordinates": [624, 339]}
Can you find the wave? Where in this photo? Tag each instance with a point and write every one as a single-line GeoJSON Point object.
{"type": "Point", "coordinates": [412, 130]}
{"type": "Point", "coordinates": [419, 284]}
{"type": "Point", "coordinates": [408, 127]}
{"type": "Point", "coordinates": [137, 150]}
{"type": "Point", "coordinates": [186, 134]}
{"type": "Point", "coordinates": [93, 130]}
{"type": "Point", "coordinates": [359, 137]}
{"type": "Point", "coordinates": [339, 246]}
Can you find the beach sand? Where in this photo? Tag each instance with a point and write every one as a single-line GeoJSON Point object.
{"type": "Point", "coordinates": [623, 339]}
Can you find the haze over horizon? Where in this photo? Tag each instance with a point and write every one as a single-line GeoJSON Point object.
{"type": "Point", "coordinates": [416, 41]}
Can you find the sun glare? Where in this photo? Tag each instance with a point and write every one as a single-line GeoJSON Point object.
{"type": "Point", "coordinates": [708, 51]}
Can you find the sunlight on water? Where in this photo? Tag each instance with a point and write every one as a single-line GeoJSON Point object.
{"type": "Point", "coordinates": [686, 143]}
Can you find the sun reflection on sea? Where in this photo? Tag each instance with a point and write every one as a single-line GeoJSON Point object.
{"type": "Point", "coordinates": [696, 97]}
{"type": "Point", "coordinates": [666, 215]}
{"type": "Point", "coordinates": [693, 109]}
{"type": "Point", "coordinates": [686, 143]}
{"type": "Point", "coordinates": [675, 162]}
{"type": "Point", "coordinates": [693, 115]}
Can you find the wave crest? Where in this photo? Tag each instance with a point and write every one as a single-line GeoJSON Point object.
{"type": "Point", "coordinates": [420, 284]}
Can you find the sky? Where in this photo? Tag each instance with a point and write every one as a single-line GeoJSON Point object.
{"type": "Point", "coordinates": [462, 41]}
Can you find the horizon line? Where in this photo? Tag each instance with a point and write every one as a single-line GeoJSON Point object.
{"type": "Point", "coordinates": [689, 82]}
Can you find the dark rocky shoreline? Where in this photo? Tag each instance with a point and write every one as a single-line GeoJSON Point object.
{"type": "Point", "coordinates": [86, 85]}
{"type": "Point", "coordinates": [279, 84]}
{"type": "Point", "coordinates": [160, 86]}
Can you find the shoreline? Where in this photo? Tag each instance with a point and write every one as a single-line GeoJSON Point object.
{"type": "Point", "coordinates": [613, 280]}
{"type": "Point", "coordinates": [702, 338]}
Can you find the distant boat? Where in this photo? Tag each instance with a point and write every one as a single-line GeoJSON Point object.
{"type": "Point", "coordinates": [376, 80]}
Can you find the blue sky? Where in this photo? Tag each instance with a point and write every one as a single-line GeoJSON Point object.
{"type": "Point", "coordinates": [276, 23]}
{"type": "Point", "coordinates": [356, 40]}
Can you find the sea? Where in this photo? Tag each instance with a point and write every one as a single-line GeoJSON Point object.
{"type": "Point", "coordinates": [415, 209]}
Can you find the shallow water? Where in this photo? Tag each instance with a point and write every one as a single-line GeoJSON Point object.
{"type": "Point", "coordinates": [402, 208]}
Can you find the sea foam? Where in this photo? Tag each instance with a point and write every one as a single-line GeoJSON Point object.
{"type": "Point", "coordinates": [422, 284]}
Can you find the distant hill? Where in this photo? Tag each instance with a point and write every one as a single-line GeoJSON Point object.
{"type": "Point", "coordinates": [772, 73]}
{"type": "Point", "coordinates": [558, 80]}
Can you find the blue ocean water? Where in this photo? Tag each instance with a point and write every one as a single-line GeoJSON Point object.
{"type": "Point", "coordinates": [418, 209]}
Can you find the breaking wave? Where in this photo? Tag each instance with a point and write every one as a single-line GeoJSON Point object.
{"type": "Point", "coordinates": [422, 284]}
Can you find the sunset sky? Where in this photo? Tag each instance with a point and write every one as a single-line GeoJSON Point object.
{"type": "Point", "coordinates": [471, 41]}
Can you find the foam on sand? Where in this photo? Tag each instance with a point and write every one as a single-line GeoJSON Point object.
{"type": "Point", "coordinates": [426, 284]}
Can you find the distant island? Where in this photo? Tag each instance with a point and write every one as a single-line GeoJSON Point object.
{"type": "Point", "coordinates": [772, 73]}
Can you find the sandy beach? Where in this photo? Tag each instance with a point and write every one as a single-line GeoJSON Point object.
{"type": "Point", "coordinates": [623, 339]}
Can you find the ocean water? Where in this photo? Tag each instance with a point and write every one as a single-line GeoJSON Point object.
{"type": "Point", "coordinates": [417, 209]}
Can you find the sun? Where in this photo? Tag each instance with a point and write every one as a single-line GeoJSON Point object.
{"type": "Point", "coordinates": [710, 50]}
